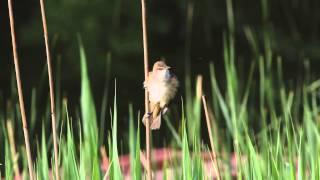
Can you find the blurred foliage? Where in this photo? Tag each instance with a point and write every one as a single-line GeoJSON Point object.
{"type": "Point", "coordinates": [115, 26]}
{"type": "Point", "coordinates": [292, 27]}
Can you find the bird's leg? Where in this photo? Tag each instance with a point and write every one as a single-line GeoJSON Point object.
{"type": "Point", "coordinates": [154, 116]}
{"type": "Point", "coordinates": [146, 117]}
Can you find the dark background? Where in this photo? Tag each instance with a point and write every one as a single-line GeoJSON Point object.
{"type": "Point", "coordinates": [114, 27]}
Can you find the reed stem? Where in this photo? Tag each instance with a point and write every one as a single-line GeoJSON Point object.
{"type": "Point", "coordinates": [146, 71]}
{"type": "Point", "coordinates": [51, 89]}
{"type": "Point", "coordinates": [20, 93]}
{"type": "Point", "coordinates": [14, 155]}
{"type": "Point", "coordinates": [216, 166]}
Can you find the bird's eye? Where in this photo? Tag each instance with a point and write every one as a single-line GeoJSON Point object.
{"type": "Point", "coordinates": [159, 69]}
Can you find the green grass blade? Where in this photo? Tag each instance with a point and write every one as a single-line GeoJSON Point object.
{"type": "Point", "coordinates": [89, 121]}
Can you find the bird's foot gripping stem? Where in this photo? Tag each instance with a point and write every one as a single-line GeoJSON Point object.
{"type": "Point", "coordinates": [146, 117]}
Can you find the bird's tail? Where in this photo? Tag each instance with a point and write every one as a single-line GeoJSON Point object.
{"type": "Point", "coordinates": [155, 117]}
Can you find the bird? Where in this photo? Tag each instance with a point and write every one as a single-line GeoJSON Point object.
{"type": "Point", "coordinates": [162, 86]}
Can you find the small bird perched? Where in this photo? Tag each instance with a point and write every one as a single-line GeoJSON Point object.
{"type": "Point", "coordinates": [162, 86]}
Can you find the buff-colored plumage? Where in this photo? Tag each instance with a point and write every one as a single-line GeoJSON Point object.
{"type": "Point", "coordinates": [162, 86]}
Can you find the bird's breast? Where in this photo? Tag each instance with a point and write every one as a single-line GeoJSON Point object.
{"type": "Point", "coordinates": [157, 91]}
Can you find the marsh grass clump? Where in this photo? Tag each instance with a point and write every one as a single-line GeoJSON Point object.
{"type": "Point", "coordinates": [281, 146]}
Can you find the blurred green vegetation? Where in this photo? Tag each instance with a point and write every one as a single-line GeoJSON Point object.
{"type": "Point", "coordinates": [114, 26]}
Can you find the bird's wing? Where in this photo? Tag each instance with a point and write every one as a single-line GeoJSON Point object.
{"type": "Point", "coordinates": [155, 109]}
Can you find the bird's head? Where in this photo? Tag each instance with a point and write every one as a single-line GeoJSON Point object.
{"type": "Point", "coordinates": [161, 70]}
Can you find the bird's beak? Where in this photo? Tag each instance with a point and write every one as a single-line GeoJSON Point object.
{"type": "Point", "coordinates": [168, 67]}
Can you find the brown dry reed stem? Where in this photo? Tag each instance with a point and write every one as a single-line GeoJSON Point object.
{"type": "Point", "coordinates": [146, 71]}
{"type": "Point", "coordinates": [143, 160]}
{"type": "Point", "coordinates": [51, 88]}
{"type": "Point", "coordinates": [216, 166]}
{"type": "Point", "coordinates": [199, 87]}
{"type": "Point", "coordinates": [14, 155]}
{"type": "Point", "coordinates": [20, 94]}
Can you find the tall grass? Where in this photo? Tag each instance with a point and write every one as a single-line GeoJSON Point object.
{"type": "Point", "coordinates": [268, 141]}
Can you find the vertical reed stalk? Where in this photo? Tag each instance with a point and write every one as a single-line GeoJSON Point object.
{"type": "Point", "coordinates": [20, 93]}
{"type": "Point", "coordinates": [146, 71]}
{"type": "Point", "coordinates": [51, 88]}
{"type": "Point", "coordinates": [216, 166]}
{"type": "Point", "coordinates": [13, 150]}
